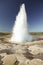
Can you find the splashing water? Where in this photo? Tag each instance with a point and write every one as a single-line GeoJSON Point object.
{"type": "Point", "coordinates": [20, 30]}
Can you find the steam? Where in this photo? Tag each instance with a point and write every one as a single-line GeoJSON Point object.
{"type": "Point", "coordinates": [20, 31]}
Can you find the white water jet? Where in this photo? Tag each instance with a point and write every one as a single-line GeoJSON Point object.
{"type": "Point", "coordinates": [20, 31]}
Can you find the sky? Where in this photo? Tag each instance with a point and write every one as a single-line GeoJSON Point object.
{"type": "Point", "coordinates": [10, 8]}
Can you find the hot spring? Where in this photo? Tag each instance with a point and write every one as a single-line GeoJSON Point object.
{"type": "Point", "coordinates": [20, 31]}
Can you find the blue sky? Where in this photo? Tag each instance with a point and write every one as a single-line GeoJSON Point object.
{"type": "Point", "coordinates": [10, 8]}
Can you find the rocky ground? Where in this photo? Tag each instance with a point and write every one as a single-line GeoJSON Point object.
{"type": "Point", "coordinates": [30, 53]}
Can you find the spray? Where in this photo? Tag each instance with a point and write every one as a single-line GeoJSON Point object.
{"type": "Point", "coordinates": [20, 31]}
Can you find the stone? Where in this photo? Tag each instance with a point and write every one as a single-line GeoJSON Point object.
{"type": "Point", "coordinates": [35, 49]}
{"type": "Point", "coordinates": [9, 59]}
{"type": "Point", "coordinates": [36, 62]}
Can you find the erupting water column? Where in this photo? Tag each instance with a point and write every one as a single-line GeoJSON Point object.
{"type": "Point", "coordinates": [20, 31]}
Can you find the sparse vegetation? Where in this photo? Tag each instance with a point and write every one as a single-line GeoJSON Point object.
{"type": "Point", "coordinates": [31, 33]}
{"type": "Point", "coordinates": [4, 33]}
{"type": "Point", "coordinates": [36, 33]}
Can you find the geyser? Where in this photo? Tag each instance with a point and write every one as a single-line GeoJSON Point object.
{"type": "Point", "coordinates": [20, 31]}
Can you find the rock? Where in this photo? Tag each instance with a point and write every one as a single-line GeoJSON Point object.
{"type": "Point", "coordinates": [9, 59]}
{"type": "Point", "coordinates": [25, 62]}
{"type": "Point", "coordinates": [6, 40]}
{"type": "Point", "coordinates": [20, 57]}
{"type": "Point", "coordinates": [35, 49]}
{"type": "Point", "coordinates": [39, 56]}
{"type": "Point", "coordinates": [2, 47]}
{"type": "Point", "coordinates": [0, 41]}
{"type": "Point", "coordinates": [3, 55]}
{"type": "Point", "coordinates": [36, 62]}
{"type": "Point", "coordinates": [19, 49]}
{"type": "Point", "coordinates": [0, 60]}
{"type": "Point", "coordinates": [22, 64]}
{"type": "Point", "coordinates": [22, 60]}
{"type": "Point", "coordinates": [7, 51]}
{"type": "Point", "coordinates": [28, 55]}
{"type": "Point", "coordinates": [17, 54]}
{"type": "Point", "coordinates": [16, 63]}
